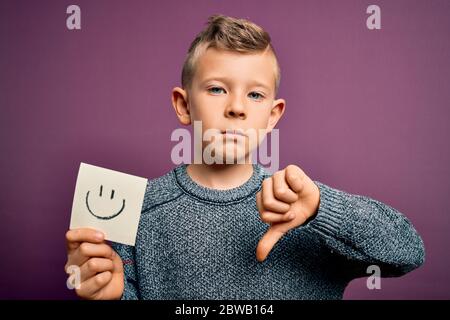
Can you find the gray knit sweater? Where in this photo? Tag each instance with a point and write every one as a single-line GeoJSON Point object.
{"type": "Point", "coordinates": [199, 243]}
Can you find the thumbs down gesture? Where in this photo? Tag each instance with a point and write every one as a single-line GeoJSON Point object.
{"type": "Point", "coordinates": [287, 200]}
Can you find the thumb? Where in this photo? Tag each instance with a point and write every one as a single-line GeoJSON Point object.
{"type": "Point", "coordinates": [267, 242]}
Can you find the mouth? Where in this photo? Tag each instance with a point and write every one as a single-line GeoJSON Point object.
{"type": "Point", "coordinates": [233, 133]}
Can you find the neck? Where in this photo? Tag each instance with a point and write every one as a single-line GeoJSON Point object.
{"type": "Point", "coordinates": [220, 176]}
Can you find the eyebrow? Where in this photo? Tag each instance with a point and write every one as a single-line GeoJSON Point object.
{"type": "Point", "coordinates": [225, 79]}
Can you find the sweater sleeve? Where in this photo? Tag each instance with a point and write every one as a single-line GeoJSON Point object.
{"type": "Point", "coordinates": [127, 255]}
{"type": "Point", "coordinates": [366, 232]}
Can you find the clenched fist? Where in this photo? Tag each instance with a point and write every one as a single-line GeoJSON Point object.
{"type": "Point", "coordinates": [287, 200]}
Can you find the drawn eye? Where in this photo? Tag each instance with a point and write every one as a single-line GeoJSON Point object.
{"type": "Point", "coordinates": [104, 215]}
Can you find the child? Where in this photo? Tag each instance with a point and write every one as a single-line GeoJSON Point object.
{"type": "Point", "coordinates": [203, 231]}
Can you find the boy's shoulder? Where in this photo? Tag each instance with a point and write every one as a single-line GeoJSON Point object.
{"type": "Point", "coordinates": [161, 190]}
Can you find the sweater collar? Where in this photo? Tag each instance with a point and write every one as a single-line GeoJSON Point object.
{"type": "Point", "coordinates": [250, 187]}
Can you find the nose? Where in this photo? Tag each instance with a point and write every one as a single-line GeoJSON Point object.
{"type": "Point", "coordinates": [236, 109]}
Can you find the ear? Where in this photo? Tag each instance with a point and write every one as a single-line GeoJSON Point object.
{"type": "Point", "coordinates": [276, 113]}
{"type": "Point", "coordinates": [180, 104]}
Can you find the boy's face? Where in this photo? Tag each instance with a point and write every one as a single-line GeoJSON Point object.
{"type": "Point", "coordinates": [231, 91]}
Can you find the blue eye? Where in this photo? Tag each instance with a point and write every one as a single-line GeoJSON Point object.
{"type": "Point", "coordinates": [256, 95]}
{"type": "Point", "coordinates": [215, 90]}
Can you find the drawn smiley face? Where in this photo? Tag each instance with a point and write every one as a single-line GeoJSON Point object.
{"type": "Point", "coordinates": [104, 216]}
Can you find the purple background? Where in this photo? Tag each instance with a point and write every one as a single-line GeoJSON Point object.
{"type": "Point", "coordinates": [367, 112]}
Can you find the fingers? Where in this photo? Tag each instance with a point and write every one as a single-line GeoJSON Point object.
{"type": "Point", "coordinates": [267, 242]}
{"type": "Point", "coordinates": [277, 194]}
{"type": "Point", "coordinates": [89, 250]}
{"type": "Point", "coordinates": [295, 178]}
{"type": "Point", "coordinates": [270, 203]}
{"type": "Point", "coordinates": [271, 217]}
{"type": "Point", "coordinates": [76, 236]}
{"type": "Point", "coordinates": [281, 189]}
{"type": "Point", "coordinates": [97, 260]}
{"type": "Point", "coordinates": [90, 288]}
{"type": "Point", "coordinates": [274, 200]}
{"type": "Point", "coordinates": [95, 265]}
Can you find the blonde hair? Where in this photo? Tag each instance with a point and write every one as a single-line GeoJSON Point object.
{"type": "Point", "coordinates": [228, 33]}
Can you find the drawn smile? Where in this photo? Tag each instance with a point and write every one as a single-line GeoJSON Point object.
{"type": "Point", "coordinates": [104, 217]}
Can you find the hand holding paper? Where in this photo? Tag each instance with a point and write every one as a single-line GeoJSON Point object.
{"type": "Point", "coordinates": [107, 206]}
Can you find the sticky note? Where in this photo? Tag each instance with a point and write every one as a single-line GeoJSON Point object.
{"type": "Point", "coordinates": [109, 201]}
